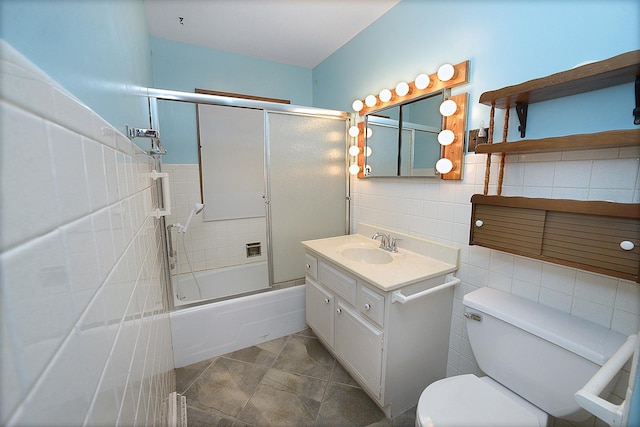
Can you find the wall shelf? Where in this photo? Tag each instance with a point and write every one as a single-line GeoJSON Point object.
{"type": "Point", "coordinates": [614, 71]}
{"type": "Point", "coordinates": [607, 139]}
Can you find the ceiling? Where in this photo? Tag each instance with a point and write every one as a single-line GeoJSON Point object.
{"type": "Point", "coordinates": [295, 32]}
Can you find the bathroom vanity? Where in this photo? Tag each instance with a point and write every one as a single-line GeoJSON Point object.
{"type": "Point", "coordinates": [384, 316]}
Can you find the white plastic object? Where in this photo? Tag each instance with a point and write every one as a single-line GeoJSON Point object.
{"type": "Point", "coordinates": [588, 396]}
{"type": "Point", "coordinates": [479, 223]}
{"type": "Point", "coordinates": [166, 195]}
{"type": "Point", "coordinates": [398, 296]}
{"type": "Point", "coordinates": [627, 245]}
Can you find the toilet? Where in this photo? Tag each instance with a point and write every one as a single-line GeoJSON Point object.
{"type": "Point", "coordinates": [535, 359]}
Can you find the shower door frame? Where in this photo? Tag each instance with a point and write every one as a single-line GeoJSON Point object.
{"type": "Point", "coordinates": [154, 95]}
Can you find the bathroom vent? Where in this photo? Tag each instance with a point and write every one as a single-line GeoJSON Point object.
{"type": "Point", "coordinates": [175, 411]}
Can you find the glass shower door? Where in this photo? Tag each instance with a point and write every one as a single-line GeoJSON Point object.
{"type": "Point", "coordinates": [307, 184]}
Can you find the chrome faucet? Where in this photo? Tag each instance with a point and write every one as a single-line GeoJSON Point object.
{"type": "Point", "coordinates": [386, 242]}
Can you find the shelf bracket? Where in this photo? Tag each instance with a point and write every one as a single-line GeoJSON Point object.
{"type": "Point", "coordinates": [521, 109]}
{"type": "Point", "coordinates": [636, 111]}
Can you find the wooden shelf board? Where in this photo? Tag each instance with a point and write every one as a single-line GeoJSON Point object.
{"type": "Point", "coordinates": [607, 139]}
{"type": "Point", "coordinates": [614, 71]}
{"type": "Point", "coordinates": [587, 207]}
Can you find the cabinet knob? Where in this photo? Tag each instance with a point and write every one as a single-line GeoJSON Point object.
{"type": "Point", "coordinates": [479, 223]}
{"type": "Point", "coordinates": [339, 311]}
{"type": "Point", "coordinates": [326, 300]}
{"type": "Point", "coordinates": [627, 245]}
{"type": "Point", "coordinates": [367, 307]}
{"type": "Point", "coordinates": [308, 266]}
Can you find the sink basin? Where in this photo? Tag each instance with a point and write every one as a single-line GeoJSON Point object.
{"type": "Point", "coordinates": [366, 255]}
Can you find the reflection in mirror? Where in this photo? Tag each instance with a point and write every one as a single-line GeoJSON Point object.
{"type": "Point", "coordinates": [412, 152]}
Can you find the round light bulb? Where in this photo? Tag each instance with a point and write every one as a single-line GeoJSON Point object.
{"type": "Point", "coordinates": [354, 131]}
{"type": "Point", "coordinates": [444, 165]}
{"type": "Point", "coordinates": [354, 169]}
{"type": "Point", "coordinates": [354, 150]}
{"type": "Point", "coordinates": [446, 137]}
{"type": "Point", "coordinates": [448, 108]}
{"type": "Point", "coordinates": [370, 101]}
{"type": "Point", "coordinates": [446, 72]}
{"type": "Point", "coordinates": [369, 133]}
{"type": "Point", "coordinates": [385, 95]}
{"type": "Point", "coordinates": [422, 81]}
{"type": "Point", "coordinates": [368, 151]}
{"type": "Point", "coordinates": [402, 88]}
{"type": "Point", "coordinates": [357, 105]}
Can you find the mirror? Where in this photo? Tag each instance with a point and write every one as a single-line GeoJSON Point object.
{"type": "Point", "coordinates": [402, 140]}
{"type": "Point", "coordinates": [401, 129]}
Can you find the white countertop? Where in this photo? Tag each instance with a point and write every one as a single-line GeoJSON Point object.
{"type": "Point", "coordinates": [406, 268]}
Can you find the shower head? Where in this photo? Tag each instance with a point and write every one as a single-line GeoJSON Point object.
{"type": "Point", "coordinates": [197, 208]}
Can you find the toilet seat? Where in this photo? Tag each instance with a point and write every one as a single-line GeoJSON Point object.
{"type": "Point", "coordinates": [466, 400]}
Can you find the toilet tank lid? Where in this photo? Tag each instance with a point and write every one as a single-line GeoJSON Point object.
{"type": "Point", "coordinates": [589, 340]}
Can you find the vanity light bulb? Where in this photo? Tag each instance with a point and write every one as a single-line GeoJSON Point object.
{"type": "Point", "coordinates": [385, 95]}
{"type": "Point", "coordinates": [354, 150]}
{"type": "Point", "coordinates": [446, 137]}
{"type": "Point", "coordinates": [369, 133]}
{"type": "Point", "coordinates": [444, 166]}
{"type": "Point", "coordinates": [370, 101]}
{"type": "Point", "coordinates": [448, 108]}
{"type": "Point", "coordinates": [368, 151]}
{"type": "Point", "coordinates": [354, 169]}
{"type": "Point", "coordinates": [357, 105]}
{"type": "Point", "coordinates": [422, 81]}
{"type": "Point", "coordinates": [354, 131]}
{"type": "Point", "coordinates": [402, 88]}
{"type": "Point", "coordinates": [446, 72]}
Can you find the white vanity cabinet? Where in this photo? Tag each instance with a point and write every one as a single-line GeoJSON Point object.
{"type": "Point", "coordinates": [393, 350]}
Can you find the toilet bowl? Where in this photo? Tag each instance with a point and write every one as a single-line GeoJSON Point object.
{"type": "Point", "coordinates": [467, 400]}
{"type": "Point", "coordinates": [535, 359]}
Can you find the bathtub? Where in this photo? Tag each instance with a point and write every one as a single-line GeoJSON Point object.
{"type": "Point", "coordinates": [220, 283]}
{"type": "Point", "coordinates": [210, 330]}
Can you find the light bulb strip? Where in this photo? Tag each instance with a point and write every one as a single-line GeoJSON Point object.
{"type": "Point", "coordinates": [360, 143]}
{"type": "Point", "coordinates": [461, 76]}
{"type": "Point", "coordinates": [455, 150]}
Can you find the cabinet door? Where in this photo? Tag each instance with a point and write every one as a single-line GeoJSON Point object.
{"type": "Point", "coordinates": [359, 345]}
{"type": "Point", "coordinates": [320, 306]}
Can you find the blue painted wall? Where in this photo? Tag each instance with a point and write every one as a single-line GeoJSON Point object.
{"type": "Point", "coordinates": [184, 67]}
{"type": "Point", "coordinates": [98, 50]}
{"type": "Point", "coordinates": [507, 42]}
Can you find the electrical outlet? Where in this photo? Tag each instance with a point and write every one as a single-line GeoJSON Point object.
{"type": "Point", "coordinates": [475, 140]}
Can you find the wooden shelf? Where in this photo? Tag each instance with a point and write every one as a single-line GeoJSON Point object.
{"type": "Point", "coordinates": [598, 75]}
{"type": "Point", "coordinates": [607, 139]}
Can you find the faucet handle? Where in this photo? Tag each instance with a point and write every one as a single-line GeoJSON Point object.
{"type": "Point", "coordinates": [394, 244]}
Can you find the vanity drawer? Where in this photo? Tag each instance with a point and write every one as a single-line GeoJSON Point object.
{"type": "Point", "coordinates": [371, 304]}
{"type": "Point", "coordinates": [311, 266]}
{"type": "Point", "coordinates": [337, 281]}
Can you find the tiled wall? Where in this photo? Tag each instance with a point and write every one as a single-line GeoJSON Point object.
{"type": "Point", "coordinates": [441, 211]}
{"type": "Point", "coordinates": [85, 334]}
{"type": "Point", "coordinates": [209, 244]}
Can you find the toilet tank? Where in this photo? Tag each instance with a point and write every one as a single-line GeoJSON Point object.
{"type": "Point", "coordinates": [540, 353]}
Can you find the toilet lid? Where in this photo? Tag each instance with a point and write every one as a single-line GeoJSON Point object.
{"type": "Point", "coordinates": [466, 400]}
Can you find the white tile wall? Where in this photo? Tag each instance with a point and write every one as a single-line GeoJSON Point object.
{"type": "Point", "coordinates": [209, 244]}
{"type": "Point", "coordinates": [441, 211]}
{"type": "Point", "coordinates": [85, 336]}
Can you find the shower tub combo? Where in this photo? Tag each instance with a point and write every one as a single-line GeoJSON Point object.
{"type": "Point", "coordinates": [213, 329]}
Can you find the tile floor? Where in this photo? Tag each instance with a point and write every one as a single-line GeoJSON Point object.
{"type": "Point", "coordinates": [289, 381]}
